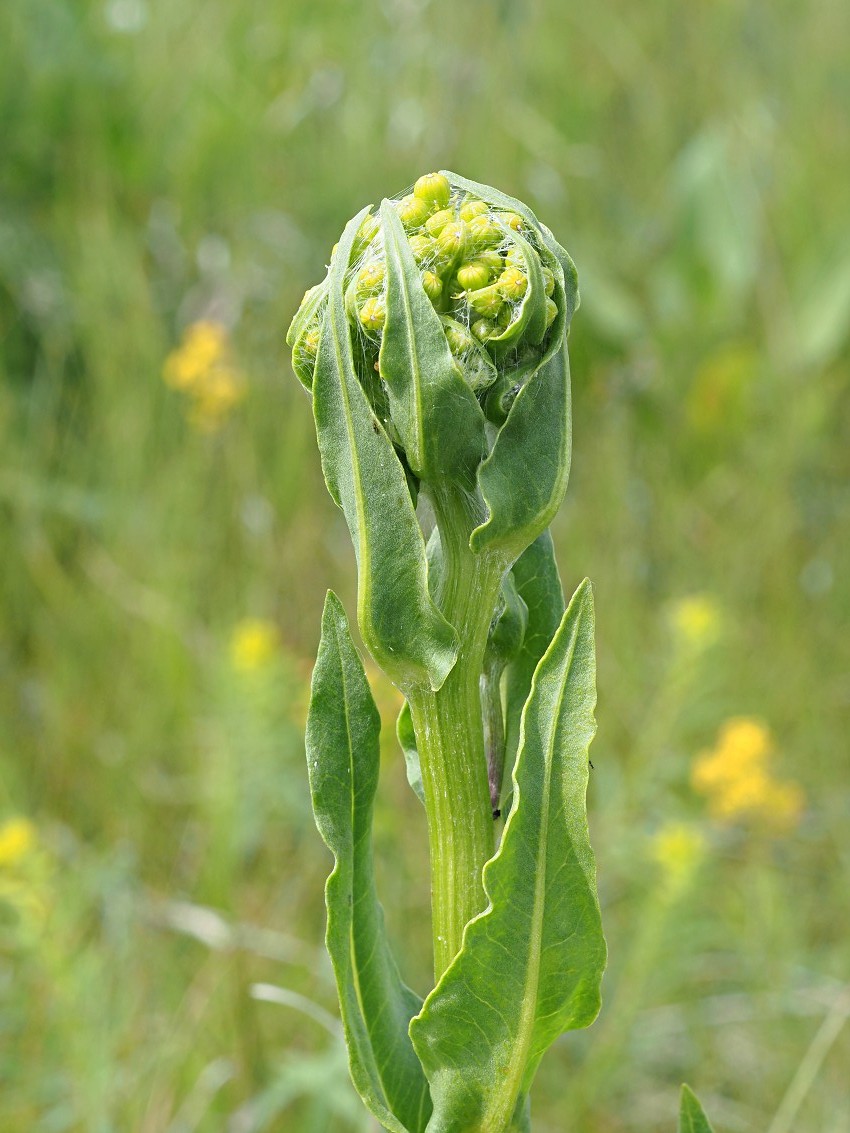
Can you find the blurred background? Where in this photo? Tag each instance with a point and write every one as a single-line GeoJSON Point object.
{"type": "Point", "coordinates": [172, 177]}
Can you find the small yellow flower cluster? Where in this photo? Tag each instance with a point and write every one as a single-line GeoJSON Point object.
{"type": "Point", "coordinates": [254, 644]}
{"type": "Point", "coordinates": [17, 839]}
{"type": "Point", "coordinates": [696, 621]}
{"type": "Point", "coordinates": [736, 779]}
{"type": "Point", "coordinates": [202, 367]}
{"type": "Point", "coordinates": [23, 888]}
{"type": "Point", "coordinates": [678, 849]}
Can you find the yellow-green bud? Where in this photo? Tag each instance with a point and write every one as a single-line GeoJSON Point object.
{"type": "Point", "coordinates": [373, 314]}
{"type": "Point", "coordinates": [513, 283]}
{"type": "Point", "coordinates": [366, 233]}
{"type": "Point", "coordinates": [473, 275]}
{"type": "Point", "coordinates": [513, 220]}
{"type": "Point", "coordinates": [370, 277]}
{"type": "Point", "coordinates": [484, 232]}
{"type": "Point", "coordinates": [484, 329]}
{"type": "Point", "coordinates": [505, 316]}
{"type": "Point", "coordinates": [514, 257]}
{"type": "Point", "coordinates": [486, 301]}
{"type": "Point", "coordinates": [433, 286]}
{"type": "Point", "coordinates": [434, 189]}
{"type": "Point", "coordinates": [472, 209]}
{"type": "Point", "coordinates": [421, 247]}
{"type": "Point", "coordinates": [458, 338]}
{"type": "Point", "coordinates": [492, 260]}
{"type": "Point", "coordinates": [551, 312]}
{"type": "Point", "coordinates": [451, 242]}
{"type": "Point", "coordinates": [413, 212]}
{"type": "Point", "coordinates": [310, 342]}
{"type": "Point", "coordinates": [548, 280]}
{"type": "Point", "coordinates": [435, 224]}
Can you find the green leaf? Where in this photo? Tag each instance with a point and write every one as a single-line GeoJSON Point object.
{"type": "Point", "coordinates": [402, 628]}
{"type": "Point", "coordinates": [407, 740]}
{"type": "Point", "coordinates": [531, 963]}
{"type": "Point", "coordinates": [524, 478]}
{"type": "Point", "coordinates": [437, 415]}
{"type": "Point", "coordinates": [538, 584]}
{"type": "Point", "coordinates": [343, 758]}
{"type": "Point", "coordinates": [692, 1119]}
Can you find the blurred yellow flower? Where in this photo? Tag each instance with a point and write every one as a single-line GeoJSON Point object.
{"type": "Point", "coordinates": [696, 620]}
{"type": "Point", "coordinates": [678, 848]}
{"type": "Point", "coordinates": [201, 367]}
{"type": "Point", "coordinates": [254, 644]}
{"type": "Point", "coordinates": [17, 839]}
{"type": "Point", "coordinates": [736, 779]}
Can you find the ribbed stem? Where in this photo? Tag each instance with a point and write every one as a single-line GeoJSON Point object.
{"type": "Point", "coordinates": [450, 736]}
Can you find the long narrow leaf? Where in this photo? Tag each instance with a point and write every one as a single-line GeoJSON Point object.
{"type": "Point", "coordinates": [692, 1119]}
{"type": "Point", "coordinates": [343, 758]}
{"type": "Point", "coordinates": [531, 964]}
{"type": "Point", "coordinates": [403, 629]}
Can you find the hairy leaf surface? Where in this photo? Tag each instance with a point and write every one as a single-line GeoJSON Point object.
{"type": "Point", "coordinates": [532, 448]}
{"type": "Point", "coordinates": [403, 629]}
{"type": "Point", "coordinates": [343, 757]}
{"type": "Point", "coordinates": [437, 415]}
{"type": "Point", "coordinates": [531, 963]}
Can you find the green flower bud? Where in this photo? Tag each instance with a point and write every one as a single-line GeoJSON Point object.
{"type": "Point", "coordinates": [458, 337]}
{"type": "Point", "coordinates": [484, 329]}
{"type": "Point", "coordinates": [551, 312]}
{"type": "Point", "coordinates": [304, 355]}
{"type": "Point", "coordinates": [366, 233]}
{"type": "Point", "coordinates": [513, 220]}
{"type": "Point", "coordinates": [484, 232]}
{"type": "Point", "coordinates": [434, 189]}
{"type": "Point", "coordinates": [370, 277]}
{"type": "Point", "coordinates": [548, 280]}
{"type": "Point", "coordinates": [413, 212]}
{"type": "Point", "coordinates": [422, 248]}
{"type": "Point", "coordinates": [473, 275]}
{"type": "Point", "coordinates": [514, 258]}
{"type": "Point", "coordinates": [486, 301]}
{"type": "Point", "coordinates": [451, 243]}
{"type": "Point", "coordinates": [433, 286]}
{"type": "Point", "coordinates": [506, 316]}
{"type": "Point", "coordinates": [513, 283]}
{"type": "Point", "coordinates": [471, 209]}
{"type": "Point", "coordinates": [435, 224]}
{"type": "Point", "coordinates": [373, 314]}
{"type": "Point", "coordinates": [493, 261]}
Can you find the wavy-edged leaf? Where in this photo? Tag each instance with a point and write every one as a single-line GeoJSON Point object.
{"type": "Point", "coordinates": [437, 415]}
{"type": "Point", "coordinates": [400, 624]}
{"type": "Point", "coordinates": [531, 963]}
{"type": "Point", "coordinates": [524, 478]}
{"type": "Point", "coordinates": [692, 1118]}
{"type": "Point", "coordinates": [343, 758]}
{"type": "Point", "coordinates": [538, 584]}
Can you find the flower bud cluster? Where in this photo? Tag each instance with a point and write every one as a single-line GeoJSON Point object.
{"type": "Point", "coordinates": [496, 307]}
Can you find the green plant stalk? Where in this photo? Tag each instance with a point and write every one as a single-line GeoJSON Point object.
{"type": "Point", "coordinates": [450, 735]}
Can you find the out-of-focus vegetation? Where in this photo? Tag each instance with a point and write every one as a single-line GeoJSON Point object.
{"type": "Point", "coordinates": [172, 175]}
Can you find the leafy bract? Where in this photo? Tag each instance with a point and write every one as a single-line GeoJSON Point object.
{"type": "Point", "coordinates": [343, 758]}
{"type": "Point", "coordinates": [533, 449]}
{"type": "Point", "coordinates": [692, 1119]}
{"type": "Point", "coordinates": [531, 963]}
{"type": "Point", "coordinates": [437, 415]}
{"type": "Point", "coordinates": [402, 628]}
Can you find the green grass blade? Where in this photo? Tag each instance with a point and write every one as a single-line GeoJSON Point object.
{"type": "Point", "coordinates": [437, 415]}
{"type": "Point", "coordinates": [343, 757]}
{"type": "Point", "coordinates": [531, 964]}
{"type": "Point", "coordinates": [692, 1119]}
{"type": "Point", "coordinates": [403, 629]}
{"type": "Point", "coordinates": [533, 449]}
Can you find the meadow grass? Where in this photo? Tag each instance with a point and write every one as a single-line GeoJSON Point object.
{"type": "Point", "coordinates": [164, 164]}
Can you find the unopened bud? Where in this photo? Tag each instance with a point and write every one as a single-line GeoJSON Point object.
{"type": "Point", "coordinates": [450, 243]}
{"type": "Point", "coordinates": [433, 286]}
{"type": "Point", "coordinates": [486, 301]}
{"type": "Point", "coordinates": [484, 232]}
{"type": "Point", "coordinates": [513, 283]}
{"type": "Point", "coordinates": [493, 261]}
{"type": "Point", "coordinates": [370, 277]}
{"type": "Point", "coordinates": [472, 209]}
{"type": "Point", "coordinates": [373, 314]}
{"type": "Point", "coordinates": [473, 275]}
{"type": "Point", "coordinates": [434, 189]}
{"type": "Point", "coordinates": [551, 312]}
{"type": "Point", "coordinates": [548, 280]}
{"type": "Point", "coordinates": [421, 247]}
{"type": "Point", "coordinates": [413, 212]}
{"type": "Point", "coordinates": [484, 329]}
{"type": "Point", "coordinates": [458, 337]}
{"type": "Point", "coordinates": [435, 224]}
{"type": "Point", "coordinates": [513, 220]}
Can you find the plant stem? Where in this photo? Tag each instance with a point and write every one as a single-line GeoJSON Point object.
{"type": "Point", "coordinates": [450, 736]}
